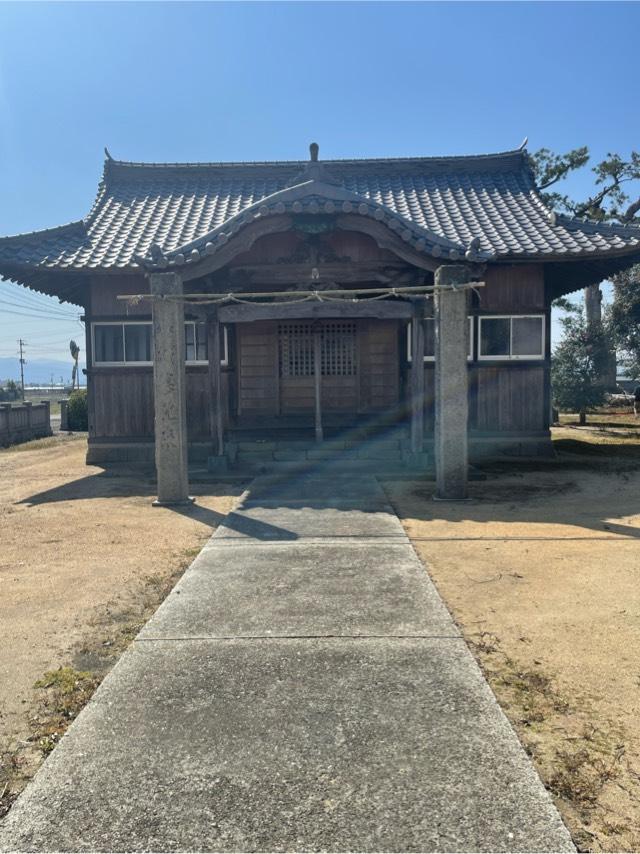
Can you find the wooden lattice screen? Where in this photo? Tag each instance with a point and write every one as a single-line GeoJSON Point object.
{"type": "Point", "coordinates": [338, 349]}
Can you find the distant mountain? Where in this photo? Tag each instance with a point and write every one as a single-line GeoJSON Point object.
{"type": "Point", "coordinates": [37, 371]}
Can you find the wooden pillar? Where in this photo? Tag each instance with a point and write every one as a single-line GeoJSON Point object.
{"type": "Point", "coordinates": [317, 378]}
{"type": "Point", "coordinates": [452, 382]}
{"type": "Point", "coordinates": [417, 377]}
{"type": "Point", "coordinates": [215, 384]}
{"type": "Point", "coordinates": [169, 392]}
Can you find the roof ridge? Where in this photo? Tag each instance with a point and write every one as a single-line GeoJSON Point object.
{"type": "Point", "coordinates": [580, 221]}
{"type": "Point", "coordinates": [519, 153]}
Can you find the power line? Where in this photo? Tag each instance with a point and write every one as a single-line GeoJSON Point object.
{"type": "Point", "coordinates": [55, 309]}
{"type": "Point", "coordinates": [31, 298]}
{"type": "Point", "coordinates": [40, 315]}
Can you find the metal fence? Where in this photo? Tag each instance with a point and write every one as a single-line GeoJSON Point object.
{"type": "Point", "coordinates": [25, 421]}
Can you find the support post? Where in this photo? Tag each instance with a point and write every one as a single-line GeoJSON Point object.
{"type": "Point", "coordinates": [169, 390]}
{"type": "Point", "coordinates": [317, 379]}
{"type": "Point", "coordinates": [215, 383]}
{"type": "Point", "coordinates": [452, 382]}
{"type": "Point", "coordinates": [417, 377]}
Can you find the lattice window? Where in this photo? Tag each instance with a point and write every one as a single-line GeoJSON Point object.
{"type": "Point", "coordinates": [338, 349]}
{"type": "Point", "coordinates": [295, 341]}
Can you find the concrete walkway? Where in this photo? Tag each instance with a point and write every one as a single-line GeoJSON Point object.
{"type": "Point", "coordinates": [302, 688]}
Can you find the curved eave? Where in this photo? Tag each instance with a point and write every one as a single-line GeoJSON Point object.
{"type": "Point", "coordinates": [314, 198]}
{"type": "Point", "coordinates": [67, 285]}
{"type": "Point", "coordinates": [569, 275]}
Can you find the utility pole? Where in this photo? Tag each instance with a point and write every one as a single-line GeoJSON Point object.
{"type": "Point", "coordinates": [22, 344]}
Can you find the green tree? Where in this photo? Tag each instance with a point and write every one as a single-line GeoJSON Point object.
{"type": "Point", "coordinates": [577, 364]}
{"type": "Point", "coordinates": [615, 177]}
{"type": "Point", "coordinates": [616, 199]}
{"type": "Point", "coordinates": [623, 318]}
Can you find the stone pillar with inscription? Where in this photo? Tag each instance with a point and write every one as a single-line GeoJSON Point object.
{"type": "Point", "coordinates": [169, 389]}
{"type": "Point", "coordinates": [452, 381]}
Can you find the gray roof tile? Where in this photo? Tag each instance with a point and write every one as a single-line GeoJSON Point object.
{"type": "Point", "coordinates": [446, 202]}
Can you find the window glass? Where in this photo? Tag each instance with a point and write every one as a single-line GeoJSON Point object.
{"type": "Point", "coordinates": [108, 343]}
{"type": "Point", "coordinates": [195, 336]}
{"type": "Point", "coordinates": [429, 325]}
{"type": "Point", "coordinates": [201, 342]}
{"type": "Point", "coordinates": [429, 337]}
{"type": "Point", "coordinates": [526, 336]}
{"type": "Point", "coordinates": [190, 341]}
{"type": "Point", "coordinates": [495, 336]}
{"type": "Point", "coordinates": [137, 342]}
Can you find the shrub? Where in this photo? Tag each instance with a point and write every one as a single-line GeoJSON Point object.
{"type": "Point", "coordinates": [77, 416]}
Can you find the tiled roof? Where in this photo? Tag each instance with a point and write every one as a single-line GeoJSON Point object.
{"type": "Point", "coordinates": [484, 207]}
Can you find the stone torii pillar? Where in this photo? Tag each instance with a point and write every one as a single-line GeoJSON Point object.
{"type": "Point", "coordinates": [169, 381]}
{"type": "Point", "coordinates": [452, 382]}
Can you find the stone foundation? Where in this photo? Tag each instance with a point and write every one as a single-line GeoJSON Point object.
{"type": "Point", "coordinates": [382, 453]}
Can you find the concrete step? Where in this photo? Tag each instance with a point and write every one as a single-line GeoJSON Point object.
{"type": "Point", "coordinates": [322, 452]}
{"type": "Point", "coordinates": [323, 467]}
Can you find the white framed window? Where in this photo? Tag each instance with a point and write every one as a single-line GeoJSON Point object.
{"type": "Point", "coordinates": [121, 343]}
{"type": "Point", "coordinates": [196, 345]}
{"type": "Point", "coordinates": [511, 337]}
{"type": "Point", "coordinates": [430, 339]}
{"type": "Point", "coordinates": [128, 342]}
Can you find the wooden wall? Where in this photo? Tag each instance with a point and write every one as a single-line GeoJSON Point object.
{"type": "Point", "coordinates": [105, 290]}
{"type": "Point", "coordinates": [257, 358]}
{"type": "Point", "coordinates": [379, 364]}
{"type": "Point", "coordinates": [123, 403]}
{"type": "Point", "coordinates": [509, 399]}
{"type": "Point", "coordinates": [512, 289]}
{"type": "Point", "coordinates": [504, 396]}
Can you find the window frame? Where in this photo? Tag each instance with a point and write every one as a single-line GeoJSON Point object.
{"type": "Point", "coordinates": [511, 357]}
{"type": "Point", "coordinates": [470, 354]}
{"type": "Point", "coordinates": [125, 362]}
{"type": "Point", "coordinates": [224, 362]}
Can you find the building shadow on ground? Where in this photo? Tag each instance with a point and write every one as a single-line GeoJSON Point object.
{"type": "Point", "coordinates": [577, 495]}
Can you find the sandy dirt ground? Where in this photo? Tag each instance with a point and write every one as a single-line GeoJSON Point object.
{"type": "Point", "coordinates": [84, 559]}
{"type": "Point", "coordinates": [541, 569]}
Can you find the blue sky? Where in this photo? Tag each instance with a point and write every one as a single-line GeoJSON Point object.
{"type": "Point", "coordinates": [255, 81]}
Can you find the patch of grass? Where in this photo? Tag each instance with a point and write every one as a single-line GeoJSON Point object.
{"type": "Point", "coordinates": [576, 760]}
{"type": "Point", "coordinates": [583, 772]}
{"type": "Point", "coordinates": [599, 446]}
{"type": "Point", "coordinates": [65, 692]}
{"type": "Point", "coordinates": [42, 444]}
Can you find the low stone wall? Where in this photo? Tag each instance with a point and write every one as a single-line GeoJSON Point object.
{"type": "Point", "coordinates": [23, 422]}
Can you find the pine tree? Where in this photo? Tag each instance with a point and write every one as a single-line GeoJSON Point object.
{"type": "Point", "coordinates": [577, 364]}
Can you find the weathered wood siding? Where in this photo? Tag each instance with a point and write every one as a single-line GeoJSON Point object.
{"type": "Point", "coordinates": [510, 399]}
{"type": "Point", "coordinates": [513, 289]}
{"type": "Point", "coordinates": [379, 365]}
{"type": "Point", "coordinates": [257, 366]}
{"type": "Point", "coordinates": [123, 403]}
{"type": "Point", "coordinates": [105, 290]}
